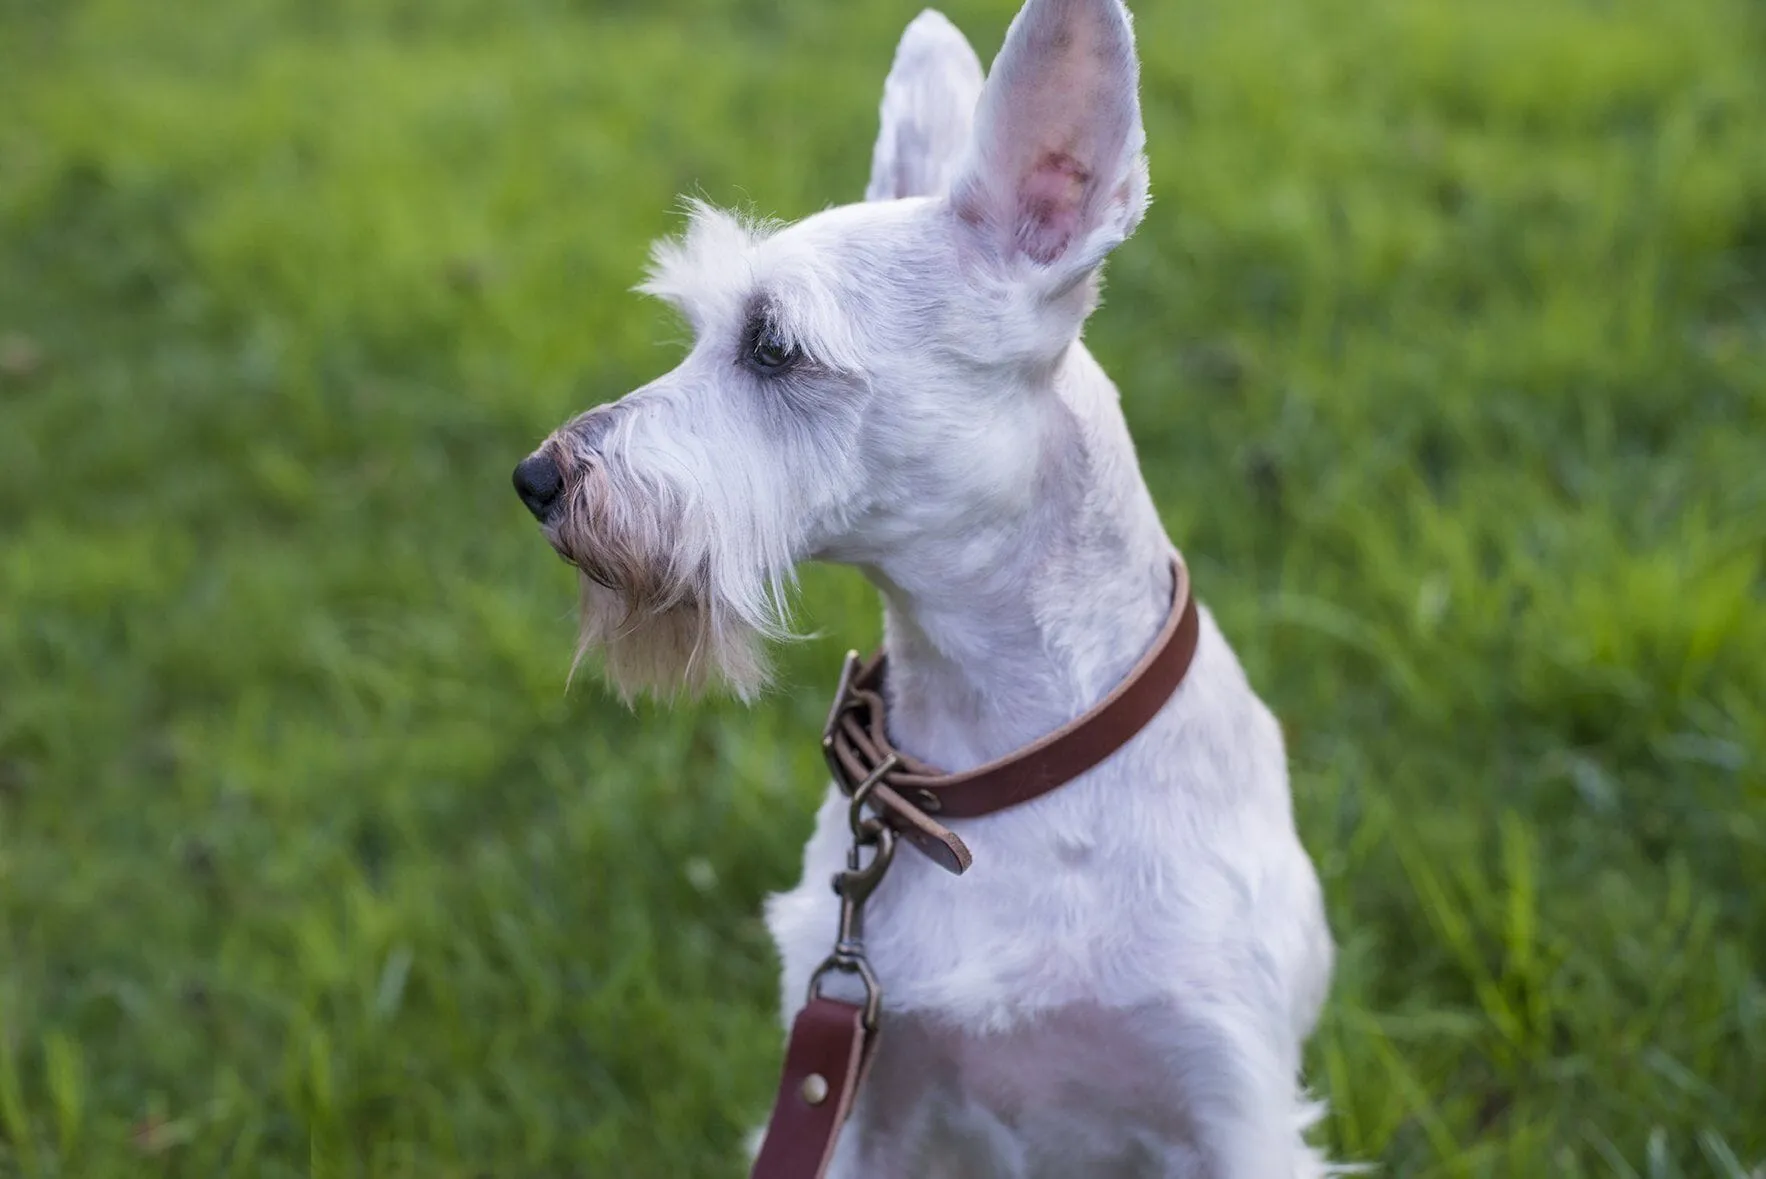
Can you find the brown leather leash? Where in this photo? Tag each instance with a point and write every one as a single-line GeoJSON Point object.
{"type": "Point", "coordinates": [893, 795]}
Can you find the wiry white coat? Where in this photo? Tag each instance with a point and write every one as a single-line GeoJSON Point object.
{"type": "Point", "coordinates": [1122, 983]}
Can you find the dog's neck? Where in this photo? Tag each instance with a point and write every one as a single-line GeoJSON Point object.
{"type": "Point", "coordinates": [1037, 618]}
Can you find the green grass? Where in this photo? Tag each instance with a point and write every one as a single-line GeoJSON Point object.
{"type": "Point", "coordinates": [1445, 346]}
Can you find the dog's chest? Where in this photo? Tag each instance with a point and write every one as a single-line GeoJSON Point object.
{"type": "Point", "coordinates": [1027, 1004]}
{"type": "Point", "coordinates": [1073, 1090]}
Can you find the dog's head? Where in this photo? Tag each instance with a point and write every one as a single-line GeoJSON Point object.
{"type": "Point", "coordinates": [868, 379]}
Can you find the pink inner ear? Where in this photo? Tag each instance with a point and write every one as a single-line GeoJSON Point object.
{"type": "Point", "coordinates": [1049, 199]}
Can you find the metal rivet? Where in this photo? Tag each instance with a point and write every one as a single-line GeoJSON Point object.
{"type": "Point", "coordinates": [929, 802]}
{"type": "Point", "coordinates": [815, 1088]}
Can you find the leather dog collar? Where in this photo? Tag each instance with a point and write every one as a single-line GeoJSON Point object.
{"type": "Point", "coordinates": [889, 793]}
{"type": "Point", "coordinates": [910, 792]}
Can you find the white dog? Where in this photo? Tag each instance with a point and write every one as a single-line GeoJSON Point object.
{"type": "Point", "coordinates": [1122, 983]}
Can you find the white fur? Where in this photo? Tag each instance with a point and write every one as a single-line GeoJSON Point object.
{"type": "Point", "coordinates": [928, 110]}
{"type": "Point", "coordinates": [1122, 983]}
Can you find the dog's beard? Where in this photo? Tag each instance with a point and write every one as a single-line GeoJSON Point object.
{"type": "Point", "coordinates": [689, 647]}
{"type": "Point", "coordinates": [659, 604]}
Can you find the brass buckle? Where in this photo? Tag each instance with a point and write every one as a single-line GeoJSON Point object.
{"type": "Point", "coordinates": [842, 691]}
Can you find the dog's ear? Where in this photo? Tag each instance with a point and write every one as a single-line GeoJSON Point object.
{"type": "Point", "coordinates": [1056, 173]}
{"type": "Point", "coordinates": [928, 111]}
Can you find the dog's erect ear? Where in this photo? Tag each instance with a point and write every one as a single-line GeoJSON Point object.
{"type": "Point", "coordinates": [1056, 173]}
{"type": "Point", "coordinates": [928, 110]}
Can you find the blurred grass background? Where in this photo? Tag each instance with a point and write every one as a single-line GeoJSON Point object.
{"type": "Point", "coordinates": [1445, 346]}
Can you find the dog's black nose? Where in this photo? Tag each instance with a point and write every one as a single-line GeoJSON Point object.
{"type": "Point", "coordinates": [538, 482]}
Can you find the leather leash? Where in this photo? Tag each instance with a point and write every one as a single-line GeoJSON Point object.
{"type": "Point", "coordinates": [892, 794]}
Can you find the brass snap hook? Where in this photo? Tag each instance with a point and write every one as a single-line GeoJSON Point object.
{"type": "Point", "coordinates": [864, 827]}
{"type": "Point", "coordinates": [856, 884]}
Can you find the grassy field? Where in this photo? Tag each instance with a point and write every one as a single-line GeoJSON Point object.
{"type": "Point", "coordinates": [1445, 345]}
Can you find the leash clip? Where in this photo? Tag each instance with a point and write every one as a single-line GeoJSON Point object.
{"type": "Point", "coordinates": [854, 887]}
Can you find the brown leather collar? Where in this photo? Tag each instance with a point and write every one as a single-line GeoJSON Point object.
{"type": "Point", "coordinates": [833, 1041]}
{"type": "Point", "coordinates": [910, 792]}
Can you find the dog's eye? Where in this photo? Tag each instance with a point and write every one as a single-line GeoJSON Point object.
{"type": "Point", "coordinates": [770, 352]}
